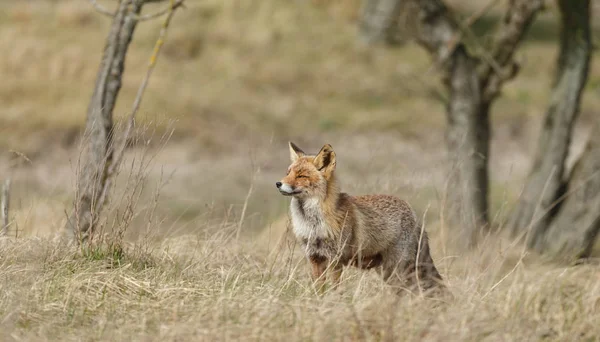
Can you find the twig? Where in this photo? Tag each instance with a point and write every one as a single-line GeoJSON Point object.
{"type": "Point", "coordinates": [4, 206]}
{"type": "Point", "coordinates": [104, 11]}
{"type": "Point", "coordinates": [245, 207]}
{"type": "Point", "coordinates": [101, 9]}
{"type": "Point", "coordinates": [419, 251]}
{"type": "Point", "coordinates": [22, 156]}
{"type": "Point", "coordinates": [158, 14]}
{"type": "Point", "coordinates": [463, 28]}
{"type": "Point", "coordinates": [118, 156]}
{"type": "Point", "coordinates": [466, 25]}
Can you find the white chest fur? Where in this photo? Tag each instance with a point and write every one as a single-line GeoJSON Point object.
{"type": "Point", "coordinates": [307, 219]}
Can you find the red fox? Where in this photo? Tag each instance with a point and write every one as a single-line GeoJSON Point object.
{"type": "Point", "coordinates": [335, 229]}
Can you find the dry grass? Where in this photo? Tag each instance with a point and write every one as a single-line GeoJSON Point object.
{"type": "Point", "coordinates": [241, 78]}
{"type": "Point", "coordinates": [206, 286]}
{"type": "Point", "coordinates": [199, 282]}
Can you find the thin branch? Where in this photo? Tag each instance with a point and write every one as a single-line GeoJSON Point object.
{"type": "Point", "coordinates": [463, 28]}
{"type": "Point", "coordinates": [118, 156]}
{"type": "Point", "coordinates": [517, 19]}
{"type": "Point", "coordinates": [158, 14]}
{"type": "Point", "coordinates": [515, 24]}
{"type": "Point", "coordinates": [101, 9]}
{"type": "Point", "coordinates": [4, 206]}
{"type": "Point", "coordinates": [104, 11]}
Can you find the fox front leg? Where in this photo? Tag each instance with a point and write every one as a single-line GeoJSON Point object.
{"type": "Point", "coordinates": [318, 266]}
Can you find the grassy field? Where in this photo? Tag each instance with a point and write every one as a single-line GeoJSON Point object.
{"type": "Point", "coordinates": [237, 80]}
{"type": "Point", "coordinates": [208, 286]}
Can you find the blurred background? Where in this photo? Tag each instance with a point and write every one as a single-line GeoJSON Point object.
{"type": "Point", "coordinates": [235, 82]}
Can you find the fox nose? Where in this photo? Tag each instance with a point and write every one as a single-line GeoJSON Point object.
{"type": "Point", "coordinates": [278, 184]}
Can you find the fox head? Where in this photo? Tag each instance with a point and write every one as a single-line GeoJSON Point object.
{"type": "Point", "coordinates": [308, 176]}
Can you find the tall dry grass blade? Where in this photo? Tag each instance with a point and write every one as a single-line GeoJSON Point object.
{"type": "Point", "coordinates": [245, 206]}
{"type": "Point", "coordinates": [5, 207]}
{"type": "Point", "coordinates": [419, 251]}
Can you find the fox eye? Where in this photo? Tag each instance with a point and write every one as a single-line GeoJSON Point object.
{"type": "Point", "coordinates": [302, 176]}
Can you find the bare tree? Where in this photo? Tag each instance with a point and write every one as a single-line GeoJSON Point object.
{"type": "Point", "coordinates": [559, 215]}
{"type": "Point", "coordinates": [473, 82]}
{"type": "Point", "coordinates": [537, 212]}
{"type": "Point", "coordinates": [101, 154]}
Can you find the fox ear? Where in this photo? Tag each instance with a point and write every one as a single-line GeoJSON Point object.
{"type": "Point", "coordinates": [295, 152]}
{"type": "Point", "coordinates": [325, 159]}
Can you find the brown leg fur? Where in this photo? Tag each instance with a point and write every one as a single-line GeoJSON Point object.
{"type": "Point", "coordinates": [318, 267]}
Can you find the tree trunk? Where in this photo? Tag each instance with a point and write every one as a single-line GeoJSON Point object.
{"type": "Point", "coordinates": [545, 184]}
{"type": "Point", "coordinates": [573, 232]}
{"type": "Point", "coordinates": [473, 85]}
{"type": "Point", "coordinates": [467, 139]}
{"type": "Point", "coordinates": [574, 227]}
{"type": "Point", "coordinates": [98, 142]}
{"type": "Point", "coordinates": [378, 21]}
